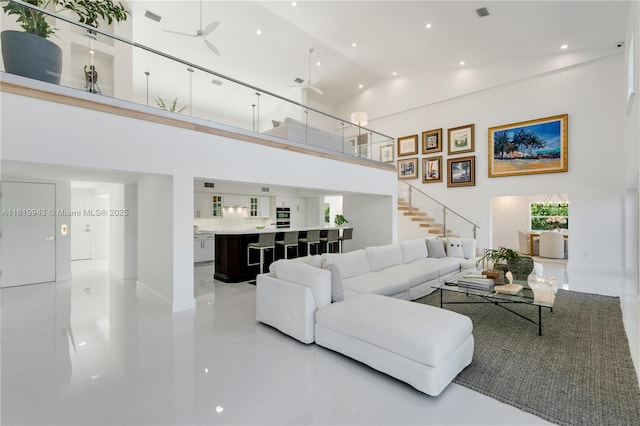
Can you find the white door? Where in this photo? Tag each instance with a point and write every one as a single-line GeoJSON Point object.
{"type": "Point", "coordinates": [81, 225]}
{"type": "Point", "coordinates": [28, 233]}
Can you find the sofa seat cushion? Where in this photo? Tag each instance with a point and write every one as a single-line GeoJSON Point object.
{"type": "Point", "coordinates": [376, 282]}
{"type": "Point", "coordinates": [443, 265]}
{"type": "Point", "coordinates": [414, 273]}
{"type": "Point", "coordinates": [412, 330]}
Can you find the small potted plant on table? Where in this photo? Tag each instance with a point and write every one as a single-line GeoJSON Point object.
{"type": "Point", "coordinates": [519, 266]}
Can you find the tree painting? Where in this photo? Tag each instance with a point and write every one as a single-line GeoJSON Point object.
{"type": "Point", "coordinates": [538, 146]}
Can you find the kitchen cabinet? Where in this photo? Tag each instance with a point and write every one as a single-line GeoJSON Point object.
{"type": "Point", "coordinates": [207, 205]}
{"type": "Point", "coordinates": [259, 207]}
{"type": "Point", "coordinates": [233, 200]}
{"type": "Point", "coordinates": [203, 248]}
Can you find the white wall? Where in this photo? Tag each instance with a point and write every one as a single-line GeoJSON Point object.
{"type": "Point", "coordinates": [592, 94]}
{"type": "Point", "coordinates": [130, 145]}
{"type": "Point", "coordinates": [373, 219]}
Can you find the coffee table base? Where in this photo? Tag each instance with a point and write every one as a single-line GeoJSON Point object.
{"type": "Point", "coordinates": [500, 303]}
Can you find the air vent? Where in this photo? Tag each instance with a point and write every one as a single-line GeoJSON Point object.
{"type": "Point", "coordinates": [482, 12]}
{"type": "Point", "coordinates": [265, 189]}
{"type": "Point", "coordinates": [299, 80]}
{"type": "Point", "coordinates": [209, 185]}
{"type": "Point", "coordinates": [152, 16]}
{"type": "Point", "coordinates": [216, 82]}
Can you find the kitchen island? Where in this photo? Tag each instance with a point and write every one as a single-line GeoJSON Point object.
{"type": "Point", "coordinates": [231, 252]}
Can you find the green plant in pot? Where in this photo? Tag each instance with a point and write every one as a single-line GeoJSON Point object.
{"type": "Point", "coordinates": [519, 266]}
{"type": "Point", "coordinates": [340, 220]}
{"type": "Point", "coordinates": [172, 107]}
{"type": "Point", "coordinates": [28, 53]}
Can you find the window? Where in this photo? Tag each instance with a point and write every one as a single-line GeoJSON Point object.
{"type": "Point", "coordinates": [217, 205]}
{"type": "Point", "coordinates": [549, 216]}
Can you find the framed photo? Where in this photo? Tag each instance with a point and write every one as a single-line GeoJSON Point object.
{"type": "Point", "coordinates": [529, 147]}
{"type": "Point", "coordinates": [408, 168]}
{"type": "Point", "coordinates": [432, 169]}
{"type": "Point", "coordinates": [386, 153]}
{"type": "Point", "coordinates": [432, 141]}
{"type": "Point", "coordinates": [407, 145]}
{"type": "Point", "coordinates": [461, 139]}
{"type": "Point", "coordinates": [461, 171]}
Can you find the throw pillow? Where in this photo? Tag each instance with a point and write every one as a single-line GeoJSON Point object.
{"type": "Point", "coordinates": [469, 247]}
{"type": "Point", "coordinates": [435, 247]}
{"type": "Point", "coordinates": [275, 123]}
{"type": "Point", "coordinates": [454, 247]}
{"type": "Point", "coordinates": [337, 288]}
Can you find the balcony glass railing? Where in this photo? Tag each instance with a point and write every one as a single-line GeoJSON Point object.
{"type": "Point", "coordinates": [104, 64]}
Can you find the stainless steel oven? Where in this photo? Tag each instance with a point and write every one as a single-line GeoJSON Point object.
{"type": "Point", "coordinates": [283, 217]}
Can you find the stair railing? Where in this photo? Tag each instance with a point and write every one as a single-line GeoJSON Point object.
{"type": "Point", "coordinates": [445, 210]}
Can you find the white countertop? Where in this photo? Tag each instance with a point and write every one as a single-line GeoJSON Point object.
{"type": "Point", "coordinates": [262, 231]}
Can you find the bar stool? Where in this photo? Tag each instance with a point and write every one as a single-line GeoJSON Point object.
{"type": "Point", "coordinates": [266, 241]}
{"type": "Point", "coordinates": [290, 239]}
{"type": "Point", "coordinates": [347, 234]}
{"type": "Point", "coordinates": [331, 238]}
{"type": "Point", "coordinates": [313, 237]}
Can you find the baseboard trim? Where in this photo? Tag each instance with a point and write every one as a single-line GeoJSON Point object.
{"type": "Point", "coordinates": [116, 273]}
{"type": "Point", "coordinates": [144, 292]}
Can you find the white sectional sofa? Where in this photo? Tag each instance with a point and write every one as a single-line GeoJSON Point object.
{"type": "Point", "coordinates": [419, 344]}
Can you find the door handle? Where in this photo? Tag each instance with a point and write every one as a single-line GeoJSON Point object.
{"type": "Point", "coordinates": [51, 238]}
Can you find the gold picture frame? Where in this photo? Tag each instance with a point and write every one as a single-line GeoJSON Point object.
{"type": "Point", "coordinates": [407, 145]}
{"type": "Point", "coordinates": [432, 169]}
{"type": "Point", "coordinates": [461, 139]}
{"type": "Point", "coordinates": [529, 147]}
{"type": "Point", "coordinates": [432, 141]}
{"type": "Point", "coordinates": [408, 168]}
{"type": "Point", "coordinates": [461, 171]}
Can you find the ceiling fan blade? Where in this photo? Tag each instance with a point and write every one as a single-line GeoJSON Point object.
{"type": "Point", "coordinates": [212, 47]}
{"type": "Point", "coordinates": [181, 33]}
{"type": "Point", "coordinates": [212, 26]}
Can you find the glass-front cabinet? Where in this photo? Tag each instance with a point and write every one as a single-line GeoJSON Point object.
{"type": "Point", "coordinates": [216, 205]}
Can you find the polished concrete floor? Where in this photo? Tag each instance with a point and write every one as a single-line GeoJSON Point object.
{"type": "Point", "coordinates": [89, 351]}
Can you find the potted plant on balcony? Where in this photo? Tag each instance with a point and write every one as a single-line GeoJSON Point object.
{"type": "Point", "coordinates": [520, 266]}
{"type": "Point", "coordinates": [29, 53]}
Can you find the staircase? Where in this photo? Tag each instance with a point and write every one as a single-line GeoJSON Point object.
{"type": "Point", "coordinates": [421, 219]}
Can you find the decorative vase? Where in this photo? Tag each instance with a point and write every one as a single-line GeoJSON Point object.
{"type": "Point", "coordinates": [520, 268]}
{"type": "Point", "coordinates": [31, 56]}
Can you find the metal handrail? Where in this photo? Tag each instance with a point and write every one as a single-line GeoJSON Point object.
{"type": "Point", "coordinates": [189, 64]}
{"type": "Point", "coordinates": [445, 209]}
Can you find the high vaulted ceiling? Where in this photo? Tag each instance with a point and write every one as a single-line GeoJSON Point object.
{"type": "Point", "coordinates": [391, 36]}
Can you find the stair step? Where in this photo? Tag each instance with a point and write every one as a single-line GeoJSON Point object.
{"type": "Point", "coordinates": [403, 207]}
{"type": "Point", "coordinates": [431, 225]}
{"type": "Point", "coordinates": [422, 219]}
{"type": "Point", "coordinates": [415, 213]}
{"type": "Point", "coordinates": [437, 231]}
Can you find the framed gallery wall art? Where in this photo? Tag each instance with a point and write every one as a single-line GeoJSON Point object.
{"type": "Point", "coordinates": [529, 147]}
{"type": "Point", "coordinates": [432, 141]}
{"type": "Point", "coordinates": [461, 139]}
{"type": "Point", "coordinates": [386, 153]}
{"type": "Point", "coordinates": [432, 169]}
{"type": "Point", "coordinates": [461, 171]}
{"type": "Point", "coordinates": [408, 168]}
{"type": "Point", "coordinates": [407, 145]}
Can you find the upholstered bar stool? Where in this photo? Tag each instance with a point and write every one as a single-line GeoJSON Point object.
{"type": "Point", "coordinates": [330, 239]}
{"type": "Point", "coordinates": [266, 241]}
{"type": "Point", "coordinates": [312, 238]}
{"type": "Point", "coordinates": [290, 239]}
{"type": "Point", "coordinates": [347, 234]}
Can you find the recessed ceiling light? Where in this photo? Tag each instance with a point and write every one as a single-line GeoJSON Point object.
{"type": "Point", "coordinates": [564, 46]}
{"type": "Point", "coordinates": [219, 409]}
{"type": "Point", "coordinates": [395, 73]}
{"type": "Point", "coordinates": [360, 86]}
{"type": "Point", "coordinates": [293, 3]}
{"type": "Point", "coordinates": [354, 44]}
{"type": "Point", "coordinates": [318, 63]}
{"type": "Point", "coordinates": [259, 32]}
{"type": "Point", "coordinates": [462, 62]}
{"type": "Point", "coordinates": [428, 26]}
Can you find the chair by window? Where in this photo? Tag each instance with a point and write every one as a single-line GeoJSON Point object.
{"type": "Point", "coordinates": [266, 241]}
{"type": "Point", "coordinates": [552, 245]}
{"type": "Point", "coordinates": [523, 242]}
{"type": "Point", "coordinates": [347, 234]}
{"type": "Point", "coordinates": [290, 239]}
{"type": "Point", "coordinates": [330, 239]}
{"type": "Point", "coordinates": [312, 238]}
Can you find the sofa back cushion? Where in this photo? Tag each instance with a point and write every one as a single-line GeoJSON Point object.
{"type": "Point", "coordinates": [381, 257]}
{"type": "Point", "coordinates": [319, 280]}
{"type": "Point", "coordinates": [469, 247]}
{"type": "Point", "coordinates": [435, 246]}
{"type": "Point", "coordinates": [350, 264]}
{"type": "Point", "coordinates": [413, 250]}
{"type": "Point", "coordinates": [314, 260]}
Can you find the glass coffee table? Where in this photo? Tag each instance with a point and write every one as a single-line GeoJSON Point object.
{"type": "Point", "coordinates": [538, 292]}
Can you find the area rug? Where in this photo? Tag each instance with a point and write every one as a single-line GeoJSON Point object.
{"type": "Point", "coordinates": [579, 372]}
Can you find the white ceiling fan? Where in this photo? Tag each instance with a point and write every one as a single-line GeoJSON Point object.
{"type": "Point", "coordinates": [309, 84]}
{"type": "Point", "coordinates": [202, 33]}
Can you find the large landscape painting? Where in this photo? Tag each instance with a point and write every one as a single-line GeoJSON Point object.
{"type": "Point", "coordinates": [529, 147]}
